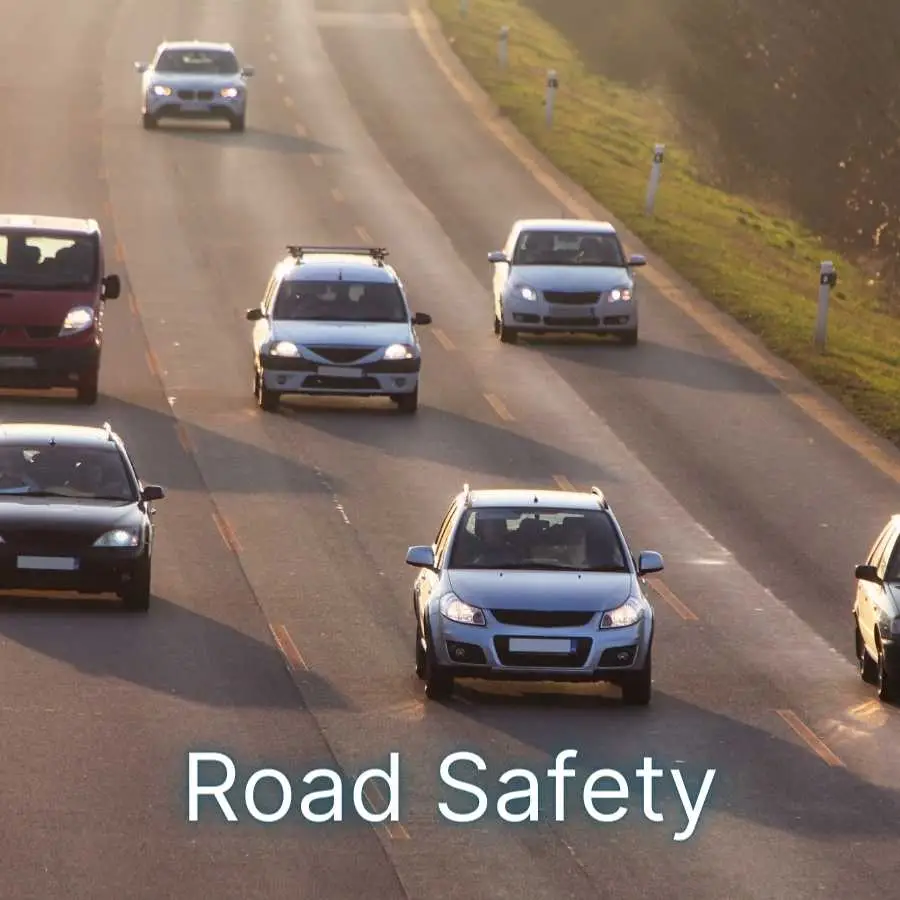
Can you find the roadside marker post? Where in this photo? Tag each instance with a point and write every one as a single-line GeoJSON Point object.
{"type": "Point", "coordinates": [503, 47]}
{"type": "Point", "coordinates": [550, 98]}
{"type": "Point", "coordinates": [827, 280]}
{"type": "Point", "coordinates": [659, 154]}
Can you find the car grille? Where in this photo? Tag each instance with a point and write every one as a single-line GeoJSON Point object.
{"type": "Point", "coordinates": [528, 618]}
{"type": "Point", "coordinates": [186, 95]}
{"type": "Point", "coordinates": [543, 660]}
{"type": "Point", "coordinates": [42, 332]}
{"type": "Point", "coordinates": [579, 298]}
{"type": "Point", "coordinates": [342, 354]}
{"type": "Point", "coordinates": [46, 540]}
{"type": "Point", "coordinates": [571, 321]}
{"type": "Point", "coordinates": [327, 383]}
{"type": "Point", "coordinates": [204, 95]}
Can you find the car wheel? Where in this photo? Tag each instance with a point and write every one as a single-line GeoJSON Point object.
{"type": "Point", "coordinates": [865, 665]}
{"type": "Point", "coordinates": [238, 123]}
{"type": "Point", "coordinates": [886, 689]}
{"type": "Point", "coordinates": [630, 338]}
{"type": "Point", "coordinates": [408, 403]}
{"type": "Point", "coordinates": [88, 388]}
{"type": "Point", "coordinates": [507, 335]}
{"type": "Point", "coordinates": [150, 121]}
{"type": "Point", "coordinates": [136, 596]}
{"type": "Point", "coordinates": [638, 686]}
{"type": "Point", "coordinates": [438, 681]}
{"type": "Point", "coordinates": [266, 400]}
{"type": "Point", "coordinates": [420, 654]}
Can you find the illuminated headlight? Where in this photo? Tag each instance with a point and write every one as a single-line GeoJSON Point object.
{"type": "Point", "coordinates": [161, 90]}
{"type": "Point", "coordinates": [229, 93]}
{"type": "Point", "coordinates": [284, 348]}
{"type": "Point", "coordinates": [629, 613]}
{"type": "Point", "coordinates": [457, 610]}
{"type": "Point", "coordinates": [78, 319]}
{"type": "Point", "coordinates": [399, 351]}
{"type": "Point", "coordinates": [526, 293]}
{"type": "Point", "coordinates": [620, 295]}
{"type": "Point", "coordinates": [895, 624]}
{"type": "Point", "coordinates": [120, 537]}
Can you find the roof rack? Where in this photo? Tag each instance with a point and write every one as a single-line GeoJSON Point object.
{"type": "Point", "coordinates": [601, 497]}
{"type": "Point", "coordinates": [379, 254]}
{"type": "Point", "coordinates": [108, 429]}
{"type": "Point", "coordinates": [467, 495]}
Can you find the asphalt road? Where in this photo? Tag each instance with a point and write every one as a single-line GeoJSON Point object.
{"type": "Point", "coordinates": [296, 524]}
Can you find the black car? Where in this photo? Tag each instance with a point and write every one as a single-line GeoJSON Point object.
{"type": "Point", "coordinates": [74, 516]}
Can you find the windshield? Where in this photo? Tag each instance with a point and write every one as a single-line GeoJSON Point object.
{"type": "Point", "coordinates": [198, 62]}
{"type": "Point", "coordinates": [48, 260]}
{"type": "Point", "coordinates": [568, 248]}
{"type": "Point", "coordinates": [340, 301]}
{"type": "Point", "coordinates": [97, 473]}
{"type": "Point", "coordinates": [580, 540]}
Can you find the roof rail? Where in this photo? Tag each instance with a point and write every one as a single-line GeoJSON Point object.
{"type": "Point", "coordinates": [601, 497]}
{"type": "Point", "coordinates": [467, 495]}
{"type": "Point", "coordinates": [108, 429]}
{"type": "Point", "coordinates": [379, 254]}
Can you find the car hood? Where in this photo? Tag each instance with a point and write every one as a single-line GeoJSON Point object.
{"type": "Point", "coordinates": [348, 334]}
{"type": "Point", "coordinates": [571, 278]}
{"type": "Point", "coordinates": [40, 307]}
{"type": "Point", "coordinates": [570, 591]}
{"type": "Point", "coordinates": [76, 515]}
{"type": "Point", "coordinates": [191, 81]}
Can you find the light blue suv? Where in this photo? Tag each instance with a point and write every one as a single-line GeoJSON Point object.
{"type": "Point", "coordinates": [336, 321]}
{"type": "Point", "coordinates": [533, 585]}
{"type": "Point", "coordinates": [564, 276]}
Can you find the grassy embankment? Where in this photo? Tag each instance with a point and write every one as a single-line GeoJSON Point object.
{"type": "Point", "coordinates": [760, 267]}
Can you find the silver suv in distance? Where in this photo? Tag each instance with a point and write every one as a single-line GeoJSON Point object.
{"type": "Point", "coordinates": [532, 585]}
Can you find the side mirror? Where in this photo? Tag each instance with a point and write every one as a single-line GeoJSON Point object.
{"type": "Point", "coordinates": [867, 573]}
{"type": "Point", "coordinates": [112, 287]}
{"type": "Point", "coordinates": [497, 256]}
{"type": "Point", "coordinates": [152, 492]}
{"type": "Point", "coordinates": [421, 319]}
{"type": "Point", "coordinates": [254, 315]}
{"type": "Point", "coordinates": [649, 561]}
{"type": "Point", "coordinates": [636, 261]}
{"type": "Point", "coordinates": [420, 557]}
{"type": "Point", "coordinates": [141, 67]}
{"type": "Point", "coordinates": [248, 71]}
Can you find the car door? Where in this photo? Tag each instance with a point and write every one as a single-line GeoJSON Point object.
{"type": "Point", "coordinates": [871, 602]}
{"type": "Point", "coordinates": [427, 580]}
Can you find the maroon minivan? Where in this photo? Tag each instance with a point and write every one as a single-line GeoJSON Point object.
{"type": "Point", "coordinates": [53, 288]}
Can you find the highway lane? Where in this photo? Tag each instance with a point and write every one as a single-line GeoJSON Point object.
{"type": "Point", "coordinates": [795, 506]}
{"type": "Point", "coordinates": [98, 708]}
{"type": "Point", "coordinates": [202, 201]}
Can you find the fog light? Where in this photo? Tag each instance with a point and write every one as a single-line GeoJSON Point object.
{"type": "Point", "coordinates": [400, 382]}
{"type": "Point", "coordinates": [282, 379]}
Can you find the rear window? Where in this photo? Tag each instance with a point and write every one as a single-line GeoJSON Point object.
{"type": "Point", "coordinates": [340, 301]}
{"type": "Point", "coordinates": [50, 260]}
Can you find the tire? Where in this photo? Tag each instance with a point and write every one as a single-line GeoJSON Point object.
{"type": "Point", "coordinates": [507, 335]}
{"type": "Point", "coordinates": [420, 654]}
{"type": "Point", "coordinates": [407, 404]}
{"type": "Point", "coordinates": [865, 665]}
{"type": "Point", "coordinates": [266, 400]}
{"type": "Point", "coordinates": [88, 388]}
{"type": "Point", "coordinates": [149, 121]}
{"type": "Point", "coordinates": [238, 123]}
{"type": "Point", "coordinates": [136, 597]}
{"type": "Point", "coordinates": [438, 682]}
{"type": "Point", "coordinates": [630, 338]}
{"type": "Point", "coordinates": [887, 690]}
{"type": "Point", "coordinates": [637, 688]}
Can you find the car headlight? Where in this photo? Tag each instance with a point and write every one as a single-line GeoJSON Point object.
{"type": "Point", "coordinates": [525, 292]}
{"type": "Point", "coordinates": [622, 616]}
{"type": "Point", "coordinates": [78, 318]}
{"type": "Point", "coordinates": [620, 295]}
{"type": "Point", "coordinates": [284, 348]}
{"type": "Point", "coordinates": [161, 90]}
{"type": "Point", "coordinates": [457, 610]}
{"type": "Point", "coordinates": [399, 351]}
{"type": "Point", "coordinates": [229, 93]}
{"type": "Point", "coordinates": [119, 537]}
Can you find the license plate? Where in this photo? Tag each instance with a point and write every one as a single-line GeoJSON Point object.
{"type": "Point", "coordinates": [48, 563]}
{"type": "Point", "coordinates": [340, 372]}
{"type": "Point", "coordinates": [540, 645]}
{"type": "Point", "coordinates": [16, 362]}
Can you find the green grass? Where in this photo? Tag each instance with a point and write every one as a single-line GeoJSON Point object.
{"type": "Point", "coordinates": [759, 267]}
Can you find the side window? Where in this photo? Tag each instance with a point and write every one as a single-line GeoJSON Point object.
{"type": "Point", "coordinates": [440, 542]}
{"type": "Point", "coordinates": [511, 244]}
{"type": "Point", "coordinates": [269, 296]}
{"type": "Point", "coordinates": [878, 547]}
{"type": "Point", "coordinates": [887, 552]}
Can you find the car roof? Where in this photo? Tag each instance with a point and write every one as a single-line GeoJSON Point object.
{"type": "Point", "coordinates": [565, 225]}
{"type": "Point", "coordinates": [62, 435]}
{"type": "Point", "coordinates": [534, 498]}
{"type": "Point", "coordinates": [336, 266]}
{"type": "Point", "coordinates": [14, 221]}
{"type": "Point", "coordinates": [195, 44]}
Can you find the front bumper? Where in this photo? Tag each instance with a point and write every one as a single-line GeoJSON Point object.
{"type": "Point", "coordinates": [288, 375]}
{"type": "Point", "coordinates": [43, 368]}
{"type": "Point", "coordinates": [198, 105]}
{"type": "Point", "coordinates": [540, 317]}
{"type": "Point", "coordinates": [96, 570]}
{"type": "Point", "coordinates": [484, 652]}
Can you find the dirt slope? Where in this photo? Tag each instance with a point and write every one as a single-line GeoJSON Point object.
{"type": "Point", "coordinates": [795, 100]}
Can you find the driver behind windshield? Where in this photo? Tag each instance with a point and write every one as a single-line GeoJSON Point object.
{"type": "Point", "coordinates": [14, 477]}
{"type": "Point", "coordinates": [493, 547]}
